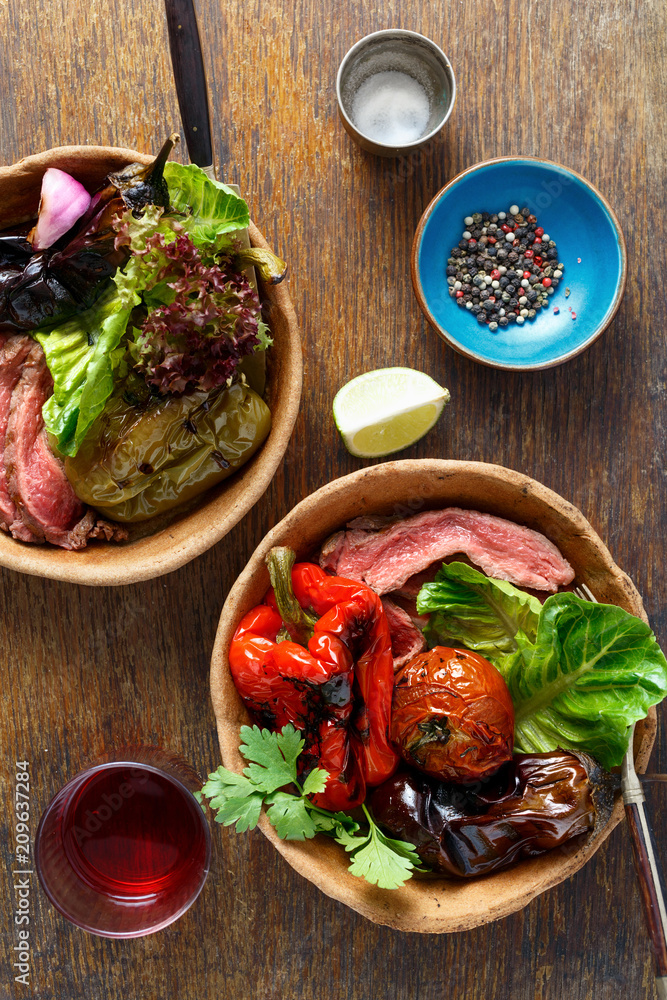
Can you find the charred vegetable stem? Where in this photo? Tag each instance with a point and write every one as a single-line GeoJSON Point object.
{"type": "Point", "coordinates": [435, 731]}
{"type": "Point", "coordinates": [298, 622]}
{"type": "Point", "coordinates": [157, 166]}
{"type": "Point", "coordinates": [141, 184]}
{"type": "Point", "coordinates": [271, 268]}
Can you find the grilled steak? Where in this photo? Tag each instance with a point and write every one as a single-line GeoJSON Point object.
{"type": "Point", "coordinates": [12, 355]}
{"type": "Point", "coordinates": [406, 639]}
{"type": "Point", "coordinates": [410, 589]}
{"type": "Point", "coordinates": [36, 482]}
{"type": "Point", "coordinates": [384, 557]}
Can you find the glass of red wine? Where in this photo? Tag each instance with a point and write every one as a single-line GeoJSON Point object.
{"type": "Point", "coordinates": [124, 848]}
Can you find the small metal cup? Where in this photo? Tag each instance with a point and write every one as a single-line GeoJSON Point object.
{"type": "Point", "coordinates": [407, 52]}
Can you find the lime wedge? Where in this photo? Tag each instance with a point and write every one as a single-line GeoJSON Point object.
{"type": "Point", "coordinates": [386, 410]}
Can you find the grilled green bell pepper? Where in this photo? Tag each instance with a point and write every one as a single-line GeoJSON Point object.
{"type": "Point", "coordinates": [141, 460]}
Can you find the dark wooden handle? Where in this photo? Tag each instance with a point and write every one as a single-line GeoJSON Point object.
{"type": "Point", "coordinates": [651, 885]}
{"type": "Point", "coordinates": [190, 79]}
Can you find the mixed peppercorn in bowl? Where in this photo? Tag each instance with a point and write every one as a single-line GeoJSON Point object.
{"type": "Point", "coordinates": [572, 291]}
{"type": "Point", "coordinates": [504, 268]}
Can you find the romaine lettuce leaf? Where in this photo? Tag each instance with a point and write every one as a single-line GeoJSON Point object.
{"type": "Point", "coordinates": [469, 609]}
{"type": "Point", "coordinates": [579, 673]}
{"type": "Point", "coordinates": [83, 353]}
{"type": "Point", "coordinates": [593, 671]}
{"type": "Point", "coordinates": [214, 209]}
{"type": "Point", "coordinates": [79, 356]}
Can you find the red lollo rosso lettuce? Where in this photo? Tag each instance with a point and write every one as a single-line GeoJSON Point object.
{"type": "Point", "coordinates": [89, 354]}
{"type": "Point", "coordinates": [205, 321]}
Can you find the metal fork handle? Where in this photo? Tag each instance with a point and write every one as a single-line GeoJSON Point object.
{"type": "Point", "coordinates": [645, 855]}
{"type": "Point", "coordinates": [649, 875]}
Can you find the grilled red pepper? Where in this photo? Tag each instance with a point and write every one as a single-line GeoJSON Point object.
{"type": "Point", "coordinates": [318, 654]}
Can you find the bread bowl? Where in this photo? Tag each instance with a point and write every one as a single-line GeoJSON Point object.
{"type": "Point", "coordinates": [166, 542]}
{"type": "Point", "coordinates": [430, 906]}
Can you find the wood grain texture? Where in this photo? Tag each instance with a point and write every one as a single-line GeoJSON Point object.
{"type": "Point", "coordinates": [582, 84]}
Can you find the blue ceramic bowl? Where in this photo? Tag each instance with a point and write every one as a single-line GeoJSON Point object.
{"type": "Point", "coordinates": [590, 245]}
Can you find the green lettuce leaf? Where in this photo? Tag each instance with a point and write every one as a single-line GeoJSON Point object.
{"type": "Point", "coordinates": [469, 609]}
{"type": "Point", "coordinates": [81, 357]}
{"type": "Point", "coordinates": [593, 671]}
{"type": "Point", "coordinates": [138, 272]}
{"type": "Point", "coordinates": [214, 208]}
{"type": "Point", "coordinates": [83, 354]}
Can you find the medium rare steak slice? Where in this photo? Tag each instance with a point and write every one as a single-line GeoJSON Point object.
{"type": "Point", "coordinates": [13, 353]}
{"type": "Point", "coordinates": [36, 478]}
{"type": "Point", "coordinates": [384, 559]}
{"type": "Point", "coordinates": [411, 587]}
{"type": "Point", "coordinates": [406, 639]}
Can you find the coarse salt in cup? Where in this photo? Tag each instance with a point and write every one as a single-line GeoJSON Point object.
{"type": "Point", "coordinates": [395, 89]}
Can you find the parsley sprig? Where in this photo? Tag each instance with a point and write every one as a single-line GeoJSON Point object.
{"type": "Point", "coordinates": [238, 799]}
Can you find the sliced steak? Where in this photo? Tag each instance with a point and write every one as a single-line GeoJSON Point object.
{"type": "Point", "coordinates": [93, 526]}
{"type": "Point", "coordinates": [409, 605]}
{"type": "Point", "coordinates": [410, 589]}
{"type": "Point", "coordinates": [36, 479]}
{"type": "Point", "coordinates": [406, 639]}
{"type": "Point", "coordinates": [384, 559]}
{"type": "Point", "coordinates": [13, 353]}
{"type": "Point", "coordinates": [332, 551]}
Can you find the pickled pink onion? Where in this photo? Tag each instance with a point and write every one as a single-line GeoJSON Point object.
{"type": "Point", "coordinates": [63, 201]}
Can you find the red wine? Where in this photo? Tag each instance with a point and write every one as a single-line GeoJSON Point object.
{"type": "Point", "coordinates": [129, 831]}
{"type": "Point", "coordinates": [123, 849]}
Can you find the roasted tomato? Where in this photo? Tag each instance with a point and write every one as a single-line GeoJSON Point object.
{"type": "Point", "coordinates": [452, 715]}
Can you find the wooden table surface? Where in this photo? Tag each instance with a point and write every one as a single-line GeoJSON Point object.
{"type": "Point", "coordinates": [86, 669]}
